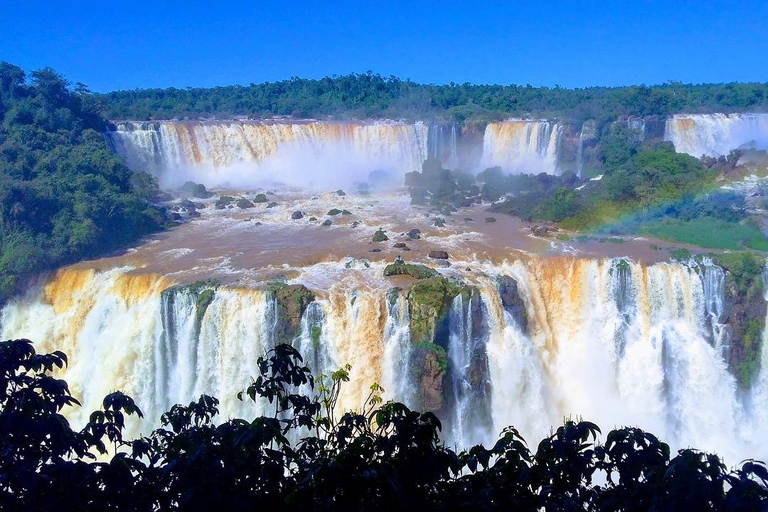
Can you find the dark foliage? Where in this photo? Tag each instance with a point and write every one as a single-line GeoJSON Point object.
{"type": "Point", "coordinates": [383, 458]}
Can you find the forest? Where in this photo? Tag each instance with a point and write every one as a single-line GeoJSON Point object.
{"type": "Point", "coordinates": [64, 194]}
{"type": "Point", "coordinates": [309, 456]}
{"type": "Point", "coordinates": [370, 95]}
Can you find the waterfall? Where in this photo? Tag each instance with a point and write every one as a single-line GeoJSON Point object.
{"type": "Point", "coordinates": [240, 153]}
{"type": "Point", "coordinates": [396, 372]}
{"type": "Point", "coordinates": [453, 160]}
{"type": "Point", "coordinates": [470, 418]}
{"type": "Point", "coordinates": [610, 340]}
{"type": "Point", "coordinates": [580, 153]}
{"type": "Point", "coordinates": [716, 134]}
{"type": "Point", "coordinates": [519, 146]}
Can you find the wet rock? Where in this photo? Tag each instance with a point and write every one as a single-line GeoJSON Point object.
{"type": "Point", "coordinates": [357, 263]}
{"type": "Point", "coordinates": [297, 215]}
{"type": "Point", "coordinates": [333, 212]}
{"type": "Point", "coordinates": [409, 269]}
{"type": "Point", "coordinates": [243, 203]}
{"type": "Point", "coordinates": [414, 234]}
{"type": "Point", "coordinates": [260, 198]}
{"type": "Point", "coordinates": [346, 212]}
{"type": "Point", "coordinates": [313, 219]}
{"type": "Point", "coordinates": [355, 224]}
{"type": "Point", "coordinates": [380, 236]}
{"type": "Point", "coordinates": [374, 250]}
{"type": "Point", "coordinates": [196, 190]}
{"type": "Point", "coordinates": [540, 230]}
{"type": "Point", "coordinates": [272, 204]}
{"type": "Point", "coordinates": [173, 216]}
{"type": "Point", "coordinates": [340, 193]}
{"type": "Point", "coordinates": [440, 223]}
{"type": "Point", "coordinates": [438, 255]}
{"type": "Point", "coordinates": [291, 302]}
{"type": "Point", "coordinates": [400, 245]}
{"type": "Point", "coordinates": [326, 223]}
{"type": "Point", "coordinates": [512, 301]}
{"type": "Point", "coordinates": [490, 219]}
{"type": "Point", "coordinates": [470, 219]}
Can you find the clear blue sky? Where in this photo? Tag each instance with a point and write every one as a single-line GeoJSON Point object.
{"type": "Point", "coordinates": [125, 44]}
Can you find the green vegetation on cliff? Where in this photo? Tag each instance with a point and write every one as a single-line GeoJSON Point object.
{"type": "Point", "coordinates": [64, 195]}
{"type": "Point", "coordinates": [371, 96]}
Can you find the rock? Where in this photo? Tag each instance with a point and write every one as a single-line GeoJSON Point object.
{"type": "Point", "coordinates": [243, 203]}
{"type": "Point", "coordinates": [260, 198]}
{"type": "Point", "coordinates": [313, 219]}
{"type": "Point", "coordinates": [355, 224]}
{"type": "Point", "coordinates": [400, 245]}
{"type": "Point", "coordinates": [173, 216]}
{"type": "Point", "coordinates": [470, 219]}
{"type": "Point", "coordinates": [512, 301]}
{"type": "Point", "coordinates": [375, 250]}
{"type": "Point", "coordinates": [380, 236]}
{"type": "Point", "coordinates": [326, 223]}
{"type": "Point", "coordinates": [196, 189]}
{"type": "Point", "coordinates": [346, 212]}
{"type": "Point", "coordinates": [297, 215]}
{"type": "Point", "coordinates": [540, 230]}
{"type": "Point", "coordinates": [440, 223]}
{"type": "Point", "coordinates": [442, 263]}
{"type": "Point", "coordinates": [193, 214]}
{"type": "Point", "coordinates": [409, 269]}
{"type": "Point", "coordinates": [334, 211]}
{"type": "Point", "coordinates": [291, 302]}
{"type": "Point", "coordinates": [340, 193]}
{"type": "Point", "coordinates": [257, 224]}
{"type": "Point", "coordinates": [272, 204]}
{"type": "Point", "coordinates": [414, 234]}
{"type": "Point", "coordinates": [357, 263]}
{"type": "Point", "coordinates": [438, 255]}
{"type": "Point", "coordinates": [490, 219]}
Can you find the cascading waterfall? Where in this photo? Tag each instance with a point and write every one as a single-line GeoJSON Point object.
{"type": "Point", "coordinates": [580, 153]}
{"type": "Point", "coordinates": [453, 160]}
{"type": "Point", "coordinates": [245, 153]}
{"type": "Point", "coordinates": [396, 372]}
{"type": "Point", "coordinates": [470, 418]}
{"type": "Point", "coordinates": [612, 341]}
{"type": "Point", "coordinates": [716, 134]}
{"type": "Point", "coordinates": [522, 146]}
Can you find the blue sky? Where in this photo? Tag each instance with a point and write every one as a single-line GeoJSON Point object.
{"type": "Point", "coordinates": [130, 44]}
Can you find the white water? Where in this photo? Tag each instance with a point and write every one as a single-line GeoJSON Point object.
{"type": "Point", "coordinates": [520, 146]}
{"type": "Point", "coordinates": [611, 341]}
{"type": "Point", "coordinates": [716, 134]}
{"type": "Point", "coordinates": [244, 154]}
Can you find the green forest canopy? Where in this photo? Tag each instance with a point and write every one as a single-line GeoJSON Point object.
{"type": "Point", "coordinates": [371, 95]}
{"type": "Point", "coordinates": [64, 195]}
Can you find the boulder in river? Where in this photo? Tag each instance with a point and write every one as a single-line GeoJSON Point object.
{"type": "Point", "coordinates": [438, 255]}
{"type": "Point", "coordinates": [297, 215]}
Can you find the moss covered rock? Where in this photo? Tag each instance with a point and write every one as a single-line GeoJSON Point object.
{"type": "Point", "coordinates": [743, 313]}
{"type": "Point", "coordinates": [243, 203]}
{"type": "Point", "coordinates": [410, 269]}
{"type": "Point", "coordinates": [380, 236]}
{"type": "Point", "coordinates": [291, 302]}
{"type": "Point", "coordinates": [260, 198]}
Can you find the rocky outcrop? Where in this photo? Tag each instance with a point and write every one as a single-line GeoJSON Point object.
{"type": "Point", "coordinates": [290, 303]}
{"type": "Point", "coordinates": [410, 269]}
{"type": "Point", "coordinates": [429, 302]}
{"type": "Point", "coordinates": [744, 312]}
{"type": "Point", "coordinates": [512, 301]}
